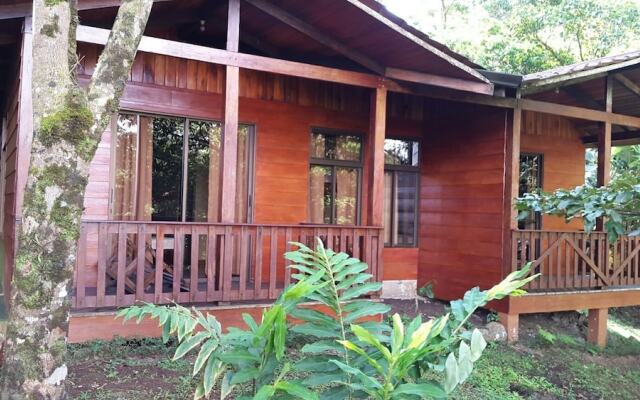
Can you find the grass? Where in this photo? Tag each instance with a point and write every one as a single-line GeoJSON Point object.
{"type": "Point", "coordinates": [550, 362]}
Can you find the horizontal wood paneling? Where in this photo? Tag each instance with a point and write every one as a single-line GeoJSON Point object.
{"type": "Point", "coordinates": [461, 206]}
{"type": "Point", "coordinates": [283, 110]}
{"type": "Point", "coordinates": [564, 156]}
{"type": "Point", "coordinates": [400, 263]}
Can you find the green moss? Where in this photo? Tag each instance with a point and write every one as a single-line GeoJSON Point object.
{"type": "Point", "coordinates": [71, 123]}
{"type": "Point", "coordinates": [51, 29]}
{"type": "Point", "coordinates": [51, 3]}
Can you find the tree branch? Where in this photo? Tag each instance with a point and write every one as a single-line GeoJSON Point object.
{"type": "Point", "coordinates": [114, 64]}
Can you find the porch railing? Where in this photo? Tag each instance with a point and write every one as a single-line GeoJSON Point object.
{"type": "Point", "coordinates": [119, 263]}
{"type": "Point", "coordinates": [576, 260]}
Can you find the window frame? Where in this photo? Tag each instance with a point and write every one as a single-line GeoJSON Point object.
{"type": "Point", "coordinates": [334, 165]}
{"type": "Point", "coordinates": [394, 169]}
{"type": "Point", "coordinates": [185, 151]}
{"type": "Point", "coordinates": [540, 178]}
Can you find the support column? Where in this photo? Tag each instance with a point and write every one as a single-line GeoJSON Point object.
{"type": "Point", "coordinates": [511, 323]}
{"type": "Point", "coordinates": [230, 142]}
{"type": "Point", "coordinates": [375, 155]}
{"type": "Point", "coordinates": [25, 118]}
{"type": "Point", "coordinates": [604, 146]}
{"type": "Point", "coordinates": [597, 333]}
{"type": "Point", "coordinates": [512, 183]}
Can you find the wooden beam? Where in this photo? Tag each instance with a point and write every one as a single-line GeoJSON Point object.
{"type": "Point", "coordinates": [420, 42]}
{"type": "Point", "coordinates": [604, 140]}
{"type": "Point", "coordinates": [231, 102]}
{"type": "Point", "coordinates": [580, 113]}
{"type": "Point", "coordinates": [317, 35]}
{"type": "Point", "coordinates": [21, 10]}
{"type": "Point", "coordinates": [628, 84]}
{"type": "Point", "coordinates": [218, 56]}
{"type": "Point", "coordinates": [617, 138]}
{"type": "Point", "coordinates": [375, 155]}
{"type": "Point", "coordinates": [571, 301]}
{"type": "Point", "coordinates": [438, 80]}
{"type": "Point", "coordinates": [511, 183]}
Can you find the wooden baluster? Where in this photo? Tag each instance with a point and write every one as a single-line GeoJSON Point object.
{"type": "Point", "coordinates": [561, 245]}
{"type": "Point", "coordinates": [356, 244]}
{"type": "Point", "coordinates": [210, 268]}
{"type": "Point", "coordinates": [140, 261]}
{"type": "Point", "coordinates": [122, 264]}
{"type": "Point", "coordinates": [367, 251]}
{"type": "Point", "coordinates": [257, 285]}
{"type": "Point", "coordinates": [637, 263]}
{"type": "Point", "coordinates": [195, 264]}
{"type": "Point", "coordinates": [287, 271]}
{"type": "Point", "coordinates": [227, 267]}
{"type": "Point", "coordinates": [178, 261]}
{"type": "Point", "coordinates": [158, 295]}
{"type": "Point", "coordinates": [244, 242]}
{"type": "Point", "coordinates": [102, 264]}
{"type": "Point", "coordinates": [567, 261]}
{"type": "Point", "coordinates": [81, 266]}
{"type": "Point", "coordinates": [273, 254]}
{"type": "Point", "coordinates": [343, 240]}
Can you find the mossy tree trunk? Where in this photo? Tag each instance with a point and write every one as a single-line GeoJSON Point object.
{"type": "Point", "coordinates": [68, 123]}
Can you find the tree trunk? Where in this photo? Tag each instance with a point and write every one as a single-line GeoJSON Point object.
{"type": "Point", "coordinates": [68, 123]}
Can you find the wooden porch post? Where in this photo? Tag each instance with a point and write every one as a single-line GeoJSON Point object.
{"type": "Point", "coordinates": [375, 155]}
{"type": "Point", "coordinates": [597, 329]}
{"type": "Point", "coordinates": [230, 143]}
{"type": "Point", "coordinates": [604, 145]}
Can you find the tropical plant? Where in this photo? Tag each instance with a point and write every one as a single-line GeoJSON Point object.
{"type": "Point", "coordinates": [253, 357]}
{"type": "Point", "coordinates": [396, 367]}
{"type": "Point", "coordinates": [348, 356]}
{"type": "Point", "coordinates": [345, 282]}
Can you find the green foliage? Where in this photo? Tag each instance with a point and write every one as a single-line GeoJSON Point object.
{"type": "Point", "coordinates": [347, 357]}
{"type": "Point", "coordinates": [526, 36]}
{"type": "Point", "coordinates": [618, 202]}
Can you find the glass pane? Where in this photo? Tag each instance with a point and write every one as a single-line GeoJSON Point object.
{"type": "Point", "coordinates": [167, 170]}
{"type": "Point", "coordinates": [405, 208]}
{"type": "Point", "coordinates": [401, 152]}
{"type": "Point", "coordinates": [388, 203]}
{"type": "Point", "coordinates": [335, 147]}
{"type": "Point", "coordinates": [346, 196]}
{"type": "Point", "coordinates": [320, 194]}
{"type": "Point", "coordinates": [124, 185]}
{"type": "Point", "coordinates": [203, 174]}
{"type": "Point", "coordinates": [530, 181]}
{"type": "Point", "coordinates": [242, 175]}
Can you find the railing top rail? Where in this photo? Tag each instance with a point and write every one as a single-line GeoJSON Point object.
{"type": "Point", "coordinates": [268, 225]}
{"type": "Point", "coordinates": [556, 231]}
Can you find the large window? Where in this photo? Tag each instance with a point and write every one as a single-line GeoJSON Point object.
{"type": "Point", "coordinates": [335, 174]}
{"type": "Point", "coordinates": [531, 170]}
{"type": "Point", "coordinates": [401, 177]}
{"type": "Point", "coordinates": [168, 169]}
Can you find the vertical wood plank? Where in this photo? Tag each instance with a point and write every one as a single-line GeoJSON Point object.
{"type": "Point", "coordinates": [375, 155]}
{"type": "Point", "coordinates": [102, 264]}
{"type": "Point", "coordinates": [141, 258]}
{"type": "Point", "coordinates": [257, 285]}
{"type": "Point", "coordinates": [178, 261]}
{"type": "Point", "coordinates": [81, 266]}
{"type": "Point", "coordinates": [273, 254]}
{"type": "Point", "coordinates": [227, 266]}
{"type": "Point", "coordinates": [211, 262]}
{"type": "Point", "coordinates": [122, 264]}
{"type": "Point", "coordinates": [195, 254]}
{"type": "Point", "coordinates": [159, 264]}
{"type": "Point", "coordinates": [287, 270]}
{"type": "Point", "coordinates": [244, 242]}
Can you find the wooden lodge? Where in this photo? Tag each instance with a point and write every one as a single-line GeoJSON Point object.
{"type": "Point", "coordinates": [247, 124]}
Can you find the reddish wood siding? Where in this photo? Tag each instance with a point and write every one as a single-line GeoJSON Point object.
{"type": "Point", "coordinates": [461, 207]}
{"type": "Point", "coordinates": [11, 113]}
{"type": "Point", "coordinates": [564, 156]}
{"type": "Point", "coordinates": [283, 110]}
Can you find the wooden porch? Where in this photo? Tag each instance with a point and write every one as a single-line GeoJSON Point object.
{"type": "Point", "coordinates": [570, 260]}
{"type": "Point", "coordinates": [196, 263]}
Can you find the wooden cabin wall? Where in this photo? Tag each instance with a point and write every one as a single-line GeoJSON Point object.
{"type": "Point", "coordinates": [10, 161]}
{"type": "Point", "coordinates": [283, 110]}
{"type": "Point", "coordinates": [558, 139]}
{"type": "Point", "coordinates": [462, 193]}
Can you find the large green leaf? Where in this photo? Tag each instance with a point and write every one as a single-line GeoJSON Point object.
{"type": "Point", "coordinates": [422, 390]}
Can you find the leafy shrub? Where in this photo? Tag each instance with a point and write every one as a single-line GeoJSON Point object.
{"type": "Point", "coordinates": [350, 354]}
